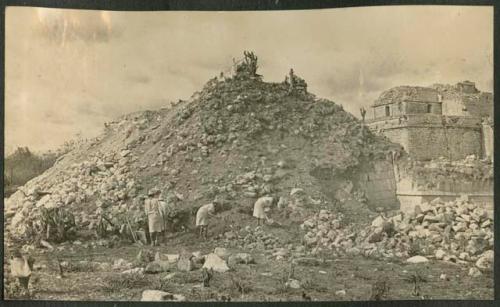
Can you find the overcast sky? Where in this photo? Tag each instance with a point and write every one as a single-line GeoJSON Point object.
{"type": "Point", "coordinates": [69, 71]}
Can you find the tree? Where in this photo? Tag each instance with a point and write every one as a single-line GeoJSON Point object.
{"type": "Point", "coordinates": [23, 165]}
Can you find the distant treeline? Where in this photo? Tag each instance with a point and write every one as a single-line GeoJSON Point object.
{"type": "Point", "coordinates": [23, 165]}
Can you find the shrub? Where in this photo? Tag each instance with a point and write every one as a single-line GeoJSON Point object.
{"type": "Point", "coordinates": [380, 290]}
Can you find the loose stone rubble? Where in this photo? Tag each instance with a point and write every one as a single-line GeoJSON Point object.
{"type": "Point", "coordinates": [455, 231]}
{"type": "Point", "coordinates": [250, 238]}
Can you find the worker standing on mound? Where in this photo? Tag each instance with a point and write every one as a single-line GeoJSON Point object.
{"type": "Point", "coordinates": [202, 216]}
{"type": "Point", "coordinates": [154, 214]}
{"type": "Point", "coordinates": [261, 206]}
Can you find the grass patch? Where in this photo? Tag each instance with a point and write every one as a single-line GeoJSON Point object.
{"type": "Point", "coordinates": [312, 285]}
{"type": "Point", "coordinates": [80, 267]}
{"type": "Point", "coordinates": [117, 282]}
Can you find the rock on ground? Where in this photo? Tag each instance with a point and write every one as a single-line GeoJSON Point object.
{"type": "Point", "coordinates": [474, 272]}
{"type": "Point", "coordinates": [158, 296]}
{"type": "Point", "coordinates": [293, 283]}
{"type": "Point", "coordinates": [212, 261]}
{"type": "Point", "coordinates": [417, 259]}
{"type": "Point", "coordinates": [240, 258]}
{"type": "Point", "coordinates": [485, 261]}
{"type": "Point", "coordinates": [134, 271]}
{"type": "Point", "coordinates": [222, 252]}
{"type": "Point", "coordinates": [440, 254]}
{"type": "Point", "coordinates": [185, 264]}
{"type": "Point", "coordinates": [158, 266]}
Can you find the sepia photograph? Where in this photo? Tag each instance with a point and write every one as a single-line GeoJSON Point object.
{"type": "Point", "coordinates": [341, 154]}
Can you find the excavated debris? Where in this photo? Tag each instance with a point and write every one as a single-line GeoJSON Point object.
{"type": "Point", "coordinates": [237, 139]}
{"type": "Point", "coordinates": [455, 231]}
{"type": "Point", "coordinates": [251, 238]}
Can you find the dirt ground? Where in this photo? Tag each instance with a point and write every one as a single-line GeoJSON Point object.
{"type": "Point", "coordinates": [262, 281]}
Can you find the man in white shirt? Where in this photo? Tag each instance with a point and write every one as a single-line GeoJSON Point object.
{"type": "Point", "coordinates": [260, 207]}
{"type": "Point", "coordinates": [202, 216]}
{"type": "Point", "coordinates": [154, 215]}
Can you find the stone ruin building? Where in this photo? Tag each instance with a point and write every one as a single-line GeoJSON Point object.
{"type": "Point", "coordinates": [450, 121]}
{"type": "Point", "coordinates": [447, 130]}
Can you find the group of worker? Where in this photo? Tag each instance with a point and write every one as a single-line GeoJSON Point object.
{"type": "Point", "coordinates": [156, 210]}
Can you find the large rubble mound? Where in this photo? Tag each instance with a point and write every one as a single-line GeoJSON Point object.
{"type": "Point", "coordinates": [237, 139]}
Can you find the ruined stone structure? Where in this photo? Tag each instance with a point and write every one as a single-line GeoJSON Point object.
{"type": "Point", "coordinates": [464, 99]}
{"type": "Point", "coordinates": [438, 121]}
{"type": "Point", "coordinates": [441, 121]}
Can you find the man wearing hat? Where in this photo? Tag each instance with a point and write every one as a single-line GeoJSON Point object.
{"type": "Point", "coordinates": [202, 216]}
{"type": "Point", "coordinates": [154, 214]}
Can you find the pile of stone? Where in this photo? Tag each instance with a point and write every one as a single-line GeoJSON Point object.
{"type": "Point", "coordinates": [237, 138]}
{"type": "Point", "coordinates": [252, 238]}
{"type": "Point", "coordinates": [101, 185]}
{"type": "Point", "coordinates": [456, 231]}
{"type": "Point", "coordinates": [452, 231]}
{"type": "Point", "coordinates": [326, 230]}
{"type": "Point", "coordinates": [255, 183]}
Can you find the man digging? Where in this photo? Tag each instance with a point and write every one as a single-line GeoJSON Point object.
{"type": "Point", "coordinates": [166, 205]}
{"type": "Point", "coordinates": [261, 206]}
{"type": "Point", "coordinates": [202, 216]}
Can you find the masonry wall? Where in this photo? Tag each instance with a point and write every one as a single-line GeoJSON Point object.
{"type": "Point", "coordinates": [429, 136]}
{"type": "Point", "coordinates": [454, 143]}
{"type": "Point", "coordinates": [453, 106]}
{"type": "Point", "coordinates": [394, 110]}
{"type": "Point", "coordinates": [379, 184]}
{"type": "Point", "coordinates": [487, 132]}
{"type": "Point", "coordinates": [480, 105]}
{"type": "Point", "coordinates": [407, 107]}
{"type": "Point", "coordinates": [399, 136]}
{"type": "Point", "coordinates": [379, 111]}
{"type": "Point", "coordinates": [413, 189]}
{"type": "Point", "coordinates": [413, 107]}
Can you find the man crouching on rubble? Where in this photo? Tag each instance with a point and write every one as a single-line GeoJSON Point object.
{"type": "Point", "coordinates": [154, 214]}
{"type": "Point", "coordinates": [202, 216]}
{"type": "Point", "coordinates": [261, 206]}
